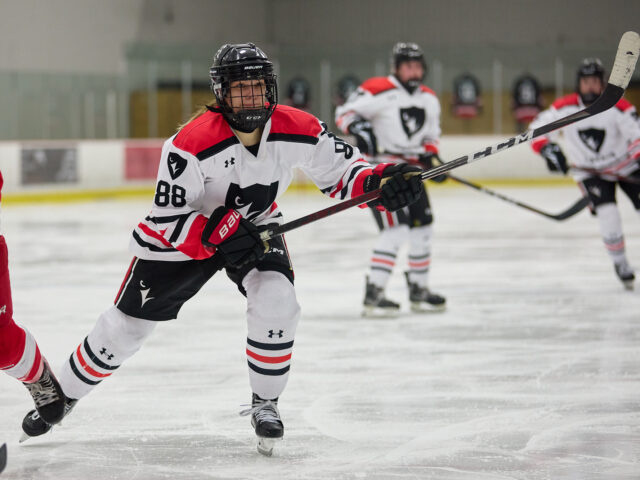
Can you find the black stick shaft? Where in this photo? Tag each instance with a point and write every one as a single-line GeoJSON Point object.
{"type": "Point", "coordinates": [572, 210]}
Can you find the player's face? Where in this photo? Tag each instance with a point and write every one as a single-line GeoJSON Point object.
{"type": "Point", "coordinates": [591, 84]}
{"type": "Point", "coordinates": [246, 95]}
{"type": "Point", "coordinates": [411, 70]}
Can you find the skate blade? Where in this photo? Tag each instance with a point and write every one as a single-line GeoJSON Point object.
{"type": "Point", "coordinates": [628, 285]}
{"type": "Point", "coordinates": [265, 445]}
{"type": "Point", "coordinates": [377, 312]}
{"type": "Point", "coordinates": [420, 307]}
{"type": "Point", "coordinates": [25, 436]}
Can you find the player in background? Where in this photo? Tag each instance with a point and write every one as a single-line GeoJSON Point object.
{"type": "Point", "coordinates": [217, 184]}
{"type": "Point", "coordinates": [602, 151]}
{"type": "Point", "coordinates": [20, 356]}
{"type": "Point", "coordinates": [391, 119]}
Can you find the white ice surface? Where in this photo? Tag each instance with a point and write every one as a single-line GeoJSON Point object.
{"type": "Point", "coordinates": [533, 372]}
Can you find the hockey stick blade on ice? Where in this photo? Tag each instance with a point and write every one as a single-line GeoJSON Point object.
{"type": "Point", "coordinates": [578, 206]}
{"type": "Point", "coordinates": [623, 67]}
{"type": "Point", "coordinates": [3, 457]}
{"type": "Point", "coordinates": [569, 212]}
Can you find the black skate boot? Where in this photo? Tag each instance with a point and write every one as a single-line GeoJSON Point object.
{"type": "Point", "coordinates": [375, 303]}
{"type": "Point", "coordinates": [33, 424]}
{"type": "Point", "coordinates": [265, 419]}
{"type": "Point", "coordinates": [422, 300]}
{"type": "Point", "coordinates": [625, 274]}
{"type": "Point", "coordinates": [47, 396]}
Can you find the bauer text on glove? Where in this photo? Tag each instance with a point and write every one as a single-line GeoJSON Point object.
{"type": "Point", "coordinates": [234, 237]}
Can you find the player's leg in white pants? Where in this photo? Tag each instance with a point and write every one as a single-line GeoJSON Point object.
{"type": "Point", "coordinates": [272, 317]}
{"type": "Point", "coordinates": [611, 231]}
{"type": "Point", "coordinates": [420, 254]}
{"type": "Point", "coordinates": [385, 252]}
{"type": "Point", "coordinates": [114, 338]}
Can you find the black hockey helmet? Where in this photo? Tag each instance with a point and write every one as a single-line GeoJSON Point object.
{"type": "Point", "coordinates": [589, 67]}
{"type": "Point", "coordinates": [243, 61]}
{"type": "Point", "coordinates": [405, 52]}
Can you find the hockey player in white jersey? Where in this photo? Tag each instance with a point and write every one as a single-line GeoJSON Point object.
{"type": "Point", "coordinates": [217, 185]}
{"type": "Point", "coordinates": [392, 118]}
{"type": "Point", "coordinates": [602, 151]}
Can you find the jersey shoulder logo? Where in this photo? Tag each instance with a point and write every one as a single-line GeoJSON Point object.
{"type": "Point", "coordinates": [412, 119]}
{"type": "Point", "coordinates": [176, 165]}
{"type": "Point", "coordinates": [592, 138]}
{"type": "Point", "coordinates": [255, 198]}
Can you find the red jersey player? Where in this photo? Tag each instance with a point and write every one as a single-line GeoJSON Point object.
{"type": "Point", "coordinates": [20, 356]}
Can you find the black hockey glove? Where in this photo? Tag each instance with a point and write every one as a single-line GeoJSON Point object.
{"type": "Point", "coordinates": [365, 138]}
{"type": "Point", "coordinates": [234, 237]}
{"type": "Point", "coordinates": [426, 161]}
{"type": "Point", "coordinates": [556, 161]}
{"type": "Point", "coordinates": [397, 191]}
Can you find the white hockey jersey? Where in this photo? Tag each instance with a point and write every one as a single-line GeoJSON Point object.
{"type": "Point", "coordinates": [205, 166]}
{"type": "Point", "coordinates": [608, 142]}
{"type": "Point", "coordinates": [403, 122]}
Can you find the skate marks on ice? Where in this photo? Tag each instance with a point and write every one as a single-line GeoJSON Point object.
{"type": "Point", "coordinates": [531, 373]}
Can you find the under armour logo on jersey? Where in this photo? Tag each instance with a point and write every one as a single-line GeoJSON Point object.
{"type": "Point", "coordinates": [144, 292]}
{"type": "Point", "coordinates": [592, 138]}
{"type": "Point", "coordinates": [3, 309]}
{"type": "Point", "coordinates": [278, 333]}
{"type": "Point", "coordinates": [229, 162]}
{"type": "Point", "coordinates": [412, 119]}
{"type": "Point", "coordinates": [176, 165]}
{"type": "Point", "coordinates": [108, 355]}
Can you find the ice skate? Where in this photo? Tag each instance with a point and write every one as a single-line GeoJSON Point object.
{"type": "Point", "coordinates": [423, 300]}
{"type": "Point", "coordinates": [625, 274]}
{"type": "Point", "coordinates": [265, 419]}
{"type": "Point", "coordinates": [376, 305]}
{"type": "Point", "coordinates": [33, 425]}
{"type": "Point", "coordinates": [47, 396]}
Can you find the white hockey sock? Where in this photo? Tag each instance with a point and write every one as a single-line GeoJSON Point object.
{"type": "Point", "coordinates": [383, 258]}
{"type": "Point", "coordinates": [114, 338]}
{"type": "Point", "coordinates": [611, 231]}
{"type": "Point", "coordinates": [272, 317]}
{"type": "Point", "coordinates": [29, 368]}
{"type": "Point", "coordinates": [420, 254]}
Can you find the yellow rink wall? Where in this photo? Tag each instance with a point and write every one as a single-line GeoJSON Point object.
{"type": "Point", "coordinates": [64, 171]}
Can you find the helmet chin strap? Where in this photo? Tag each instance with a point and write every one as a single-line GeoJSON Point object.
{"type": "Point", "coordinates": [242, 125]}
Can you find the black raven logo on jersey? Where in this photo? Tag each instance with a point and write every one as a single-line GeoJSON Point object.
{"type": "Point", "coordinates": [412, 119]}
{"type": "Point", "coordinates": [176, 165]}
{"type": "Point", "coordinates": [592, 138]}
{"type": "Point", "coordinates": [251, 201]}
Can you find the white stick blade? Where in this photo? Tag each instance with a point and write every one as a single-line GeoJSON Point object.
{"type": "Point", "coordinates": [626, 58]}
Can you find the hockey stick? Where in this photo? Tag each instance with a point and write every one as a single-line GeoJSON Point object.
{"type": "Point", "coordinates": [569, 212]}
{"type": "Point", "coordinates": [3, 457]}
{"type": "Point", "coordinates": [623, 67]}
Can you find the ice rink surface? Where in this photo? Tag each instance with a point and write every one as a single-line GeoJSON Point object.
{"type": "Point", "coordinates": [532, 373]}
